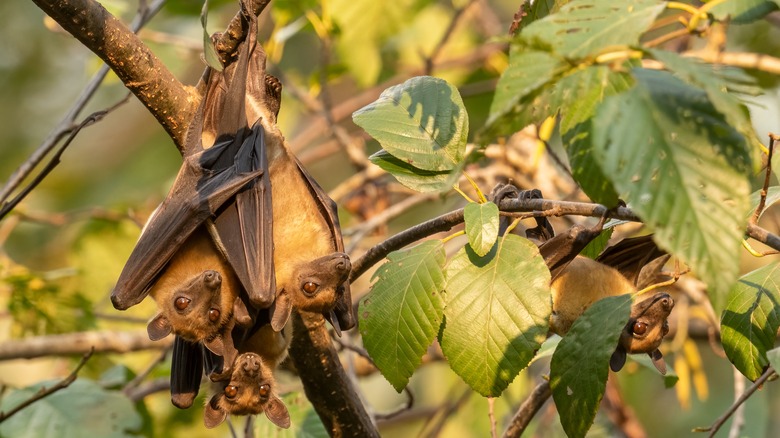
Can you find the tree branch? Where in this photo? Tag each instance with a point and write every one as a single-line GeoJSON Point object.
{"type": "Point", "coordinates": [528, 409]}
{"type": "Point", "coordinates": [80, 343]}
{"type": "Point", "coordinates": [170, 102]}
{"type": "Point", "coordinates": [327, 386]}
{"type": "Point", "coordinates": [45, 392]}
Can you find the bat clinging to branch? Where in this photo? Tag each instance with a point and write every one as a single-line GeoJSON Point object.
{"type": "Point", "coordinates": [578, 282]}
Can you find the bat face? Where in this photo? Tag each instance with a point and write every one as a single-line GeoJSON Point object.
{"type": "Point", "coordinates": [249, 391]}
{"type": "Point", "coordinates": [315, 286]}
{"type": "Point", "coordinates": [648, 324]}
{"type": "Point", "coordinates": [199, 307]}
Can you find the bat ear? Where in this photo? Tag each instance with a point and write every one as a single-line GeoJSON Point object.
{"type": "Point", "coordinates": [159, 327]}
{"type": "Point", "coordinates": [213, 416]}
{"type": "Point", "coordinates": [216, 346]}
{"type": "Point", "coordinates": [618, 359]}
{"type": "Point", "coordinates": [276, 411]}
{"type": "Point", "coordinates": [280, 311]}
{"type": "Point", "coordinates": [658, 361]}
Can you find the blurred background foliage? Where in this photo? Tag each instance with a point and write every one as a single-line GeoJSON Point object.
{"type": "Point", "coordinates": [62, 249]}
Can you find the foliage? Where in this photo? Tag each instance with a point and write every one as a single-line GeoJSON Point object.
{"type": "Point", "coordinates": [670, 135]}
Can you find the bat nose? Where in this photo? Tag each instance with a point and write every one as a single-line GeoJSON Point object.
{"type": "Point", "coordinates": [251, 362]}
{"type": "Point", "coordinates": [212, 278]}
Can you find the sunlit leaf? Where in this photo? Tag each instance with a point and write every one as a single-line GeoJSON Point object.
{"type": "Point", "coordinates": [209, 51]}
{"type": "Point", "coordinates": [742, 11]}
{"type": "Point", "coordinates": [496, 314]}
{"type": "Point", "coordinates": [481, 222]}
{"type": "Point", "coordinates": [751, 319]}
{"type": "Point", "coordinates": [585, 27]}
{"type": "Point", "coordinates": [683, 170]}
{"type": "Point", "coordinates": [82, 409]}
{"type": "Point", "coordinates": [304, 422]}
{"type": "Point", "coordinates": [580, 365]}
{"type": "Point", "coordinates": [401, 315]}
{"type": "Point", "coordinates": [422, 122]}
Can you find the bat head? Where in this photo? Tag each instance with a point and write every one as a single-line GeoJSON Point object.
{"type": "Point", "coordinates": [249, 391]}
{"type": "Point", "coordinates": [317, 286]}
{"type": "Point", "coordinates": [195, 311]}
{"type": "Point", "coordinates": [645, 330]}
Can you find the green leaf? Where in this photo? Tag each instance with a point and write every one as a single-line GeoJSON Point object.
{"type": "Point", "coordinates": [209, 51]}
{"type": "Point", "coordinates": [539, 9]}
{"type": "Point", "coordinates": [683, 169]}
{"type": "Point", "coordinates": [401, 315]}
{"type": "Point", "coordinates": [586, 27]}
{"type": "Point", "coordinates": [580, 365]}
{"type": "Point", "coordinates": [742, 11]}
{"type": "Point", "coordinates": [304, 422]}
{"type": "Point", "coordinates": [597, 245]}
{"type": "Point", "coordinates": [497, 313]}
{"type": "Point", "coordinates": [420, 180]}
{"type": "Point", "coordinates": [750, 321]}
{"type": "Point", "coordinates": [422, 122]}
{"type": "Point", "coordinates": [717, 84]}
{"type": "Point", "coordinates": [82, 409]}
{"type": "Point", "coordinates": [481, 222]}
{"type": "Point", "coordinates": [525, 76]}
{"type": "Point", "coordinates": [772, 196]}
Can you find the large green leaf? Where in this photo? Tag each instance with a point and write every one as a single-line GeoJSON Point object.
{"type": "Point", "coordinates": [481, 223]}
{"type": "Point", "coordinates": [717, 84]}
{"type": "Point", "coordinates": [401, 315]}
{"type": "Point", "coordinates": [527, 73]}
{"type": "Point", "coordinates": [682, 167]}
{"type": "Point", "coordinates": [576, 97]}
{"type": "Point", "coordinates": [497, 313]}
{"type": "Point", "coordinates": [580, 365]}
{"type": "Point", "coordinates": [424, 181]}
{"type": "Point", "coordinates": [586, 27]}
{"type": "Point", "coordinates": [750, 321]}
{"type": "Point", "coordinates": [422, 122]}
{"type": "Point", "coordinates": [742, 11]}
{"type": "Point", "coordinates": [82, 409]}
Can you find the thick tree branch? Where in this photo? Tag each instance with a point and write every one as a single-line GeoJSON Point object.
{"type": "Point", "coordinates": [170, 102]}
{"type": "Point", "coordinates": [80, 343]}
{"type": "Point", "coordinates": [327, 386]}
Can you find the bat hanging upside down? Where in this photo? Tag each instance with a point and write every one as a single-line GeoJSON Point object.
{"type": "Point", "coordinates": [578, 282]}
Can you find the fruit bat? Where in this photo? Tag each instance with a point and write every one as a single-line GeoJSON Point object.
{"type": "Point", "coordinates": [577, 281]}
{"type": "Point", "coordinates": [249, 390]}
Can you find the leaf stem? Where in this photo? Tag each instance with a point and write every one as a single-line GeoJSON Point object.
{"type": "Point", "coordinates": [462, 193]}
{"type": "Point", "coordinates": [480, 195]}
{"type": "Point", "coordinates": [452, 236]}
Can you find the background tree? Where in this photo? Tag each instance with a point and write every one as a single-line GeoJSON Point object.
{"type": "Point", "coordinates": [589, 101]}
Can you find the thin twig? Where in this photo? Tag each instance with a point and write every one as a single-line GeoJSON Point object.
{"type": "Point", "coordinates": [765, 189]}
{"type": "Point", "coordinates": [44, 392]}
{"type": "Point", "coordinates": [142, 391]}
{"type": "Point", "coordinates": [66, 124]}
{"type": "Point", "coordinates": [136, 381]}
{"type": "Point", "coordinates": [438, 420]}
{"type": "Point", "coordinates": [429, 61]}
{"type": "Point", "coordinates": [726, 415]}
{"type": "Point", "coordinates": [405, 408]}
{"type": "Point", "coordinates": [528, 409]}
{"type": "Point", "coordinates": [55, 159]}
{"type": "Point", "coordinates": [739, 415]}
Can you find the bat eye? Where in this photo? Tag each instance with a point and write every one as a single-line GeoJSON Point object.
{"type": "Point", "coordinates": [310, 287]}
{"type": "Point", "coordinates": [181, 303]}
{"type": "Point", "coordinates": [231, 391]}
{"type": "Point", "coordinates": [639, 328]}
{"type": "Point", "coordinates": [265, 390]}
{"type": "Point", "coordinates": [213, 315]}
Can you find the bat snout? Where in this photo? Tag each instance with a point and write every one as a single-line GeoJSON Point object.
{"type": "Point", "coordinates": [250, 363]}
{"type": "Point", "coordinates": [212, 279]}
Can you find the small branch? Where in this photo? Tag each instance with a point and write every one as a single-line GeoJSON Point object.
{"type": "Point", "coordinates": [325, 383]}
{"type": "Point", "coordinates": [44, 392]}
{"type": "Point", "coordinates": [93, 118]}
{"type": "Point", "coordinates": [429, 61]}
{"type": "Point", "coordinates": [753, 61]}
{"type": "Point", "coordinates": [767, 178]}
{"type": "Point", "coordinates": [133, 384]}
{"type": "Point", "coordinates": [528, 409]}
{"type": "Point", "coordinates": [140, 392]}
{"type": "Point", "coordinates": [726, 415]}
{"type": "Point", "coordinates": [80, 343]}
{"type": "Point", "coordinates": [170, 102]}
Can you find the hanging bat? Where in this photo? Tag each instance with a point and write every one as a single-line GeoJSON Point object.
{"type": "Point", "coordinates": [577, 282]}
{"type": "Point", "coordinates": [223, 188]}
{"type": "Point", "coordinates": [249, 391]}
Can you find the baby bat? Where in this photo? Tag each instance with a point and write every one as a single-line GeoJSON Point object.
{"type": "Point", "coordinates": [250, 390]}
{"type": "Point", "coordinates": [577, 282]}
